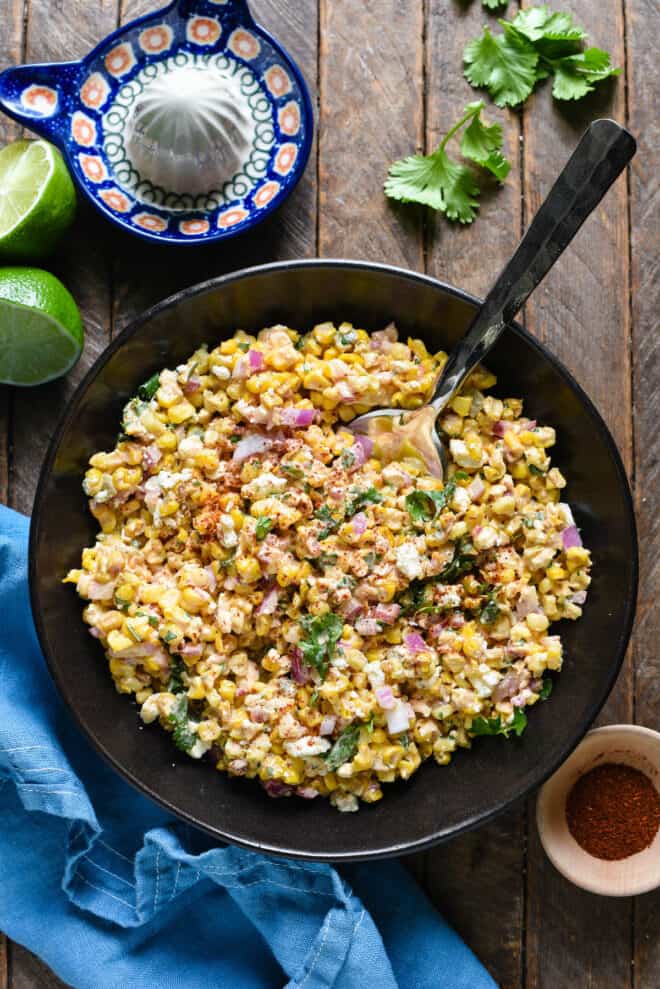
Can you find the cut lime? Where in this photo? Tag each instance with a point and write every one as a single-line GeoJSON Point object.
{"type": "Point", "coordinates": [41, 332]}
{"type": "Point", "coordinates": [37, 200]}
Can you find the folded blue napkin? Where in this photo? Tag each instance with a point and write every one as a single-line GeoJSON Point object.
{"type": "Point", "coordinates": [114, 893]}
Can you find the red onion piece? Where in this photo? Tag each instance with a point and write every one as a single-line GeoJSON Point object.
{"type": "Point", "coordinates": [190, 386]}
{"type": "Point", "coordinates": [578, 598]}
{"type": "Point", "coordinates": [352, 610]}
{"type": "Point", "coordinates": [151, 455]}
{"type": "Point", "coordinates": [299, 671]}
{"type": "Point", "coordinates": [269, 603]}
{"type": "Point", "coordinates": [414, 642]}
{"type": "Point", "coordinates": [398, 719]}
{"type": "Point", "coordinates": [345, 392]}
{"type": "Point", "coordinates": [506, 688]}
{"type": "Point", "coordinates": [528, 602]}
{"type": "Point", "coordinates": [250, 445]}
{"type": "Point", "coordinates": [570, 537]}
{"type": "Point", "coordinates": [359, 523]}
{"type": "Point", "coordinates": [366, 445]}
{"type": "Point", "coordinates": [100, 592]}
{"type": "Point", "coordinates": [191, 649]}
{"type": "Point", "coordinates": [386, 613]}
{"type": "Point", "coordinates": [95, 632]}
{"type": "Point", "coordinates": [241, 368]}
{"type": "Point", "coordinates": [211, 576]}
{"type": "Point", "coordinates": [501, 427]}
{"type": "Point", "coordinates": [476, 488]}
{"type": "Point", "coordinates": [256, 360]}
{"type": "Point", "coordinates": [367, 626]}
{"type": "Point", "coordinates": [274, 788]}
{"type": "Point", "coordinates": [307, 792]}
{"type": "Point", "coordinates": [385, 697]}
{"type": "Point", "coordinates": [299, 418]}
{"type": "Point", "coordinates": [328, 725]}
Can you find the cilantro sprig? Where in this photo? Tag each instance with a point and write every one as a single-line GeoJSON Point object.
{"type": "Point", "coordinates": [536, 44]}
{"type": "Point", "coordinates": [425, 505]}
{"type": "Point", "coordinates": [183, 737]}
{"type": "Point", "coordinates": [438, 181]}
{"type": "Point", "coordinates": [344, 748]}
{"type": "Point", "coordinates": [322, 633]}
{"type": "Point", "coordinates": [495, 726]}
{"type": "Point", "coordinates": [462, 562]}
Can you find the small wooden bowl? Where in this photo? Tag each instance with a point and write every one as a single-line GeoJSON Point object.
{"type": "Point", "coordinates": [629, 744]}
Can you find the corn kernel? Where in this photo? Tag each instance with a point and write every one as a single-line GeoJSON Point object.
{"type": "Point", "coordinates": [180, 412]}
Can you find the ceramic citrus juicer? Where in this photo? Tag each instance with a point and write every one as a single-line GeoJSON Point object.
{"type": "Point", "coordinates": [186, 126]}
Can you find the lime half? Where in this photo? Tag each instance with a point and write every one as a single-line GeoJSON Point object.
{"type": "Point", "coordinates": [37, 200]}
{"type": "Point", "coordinates": [41, 332]}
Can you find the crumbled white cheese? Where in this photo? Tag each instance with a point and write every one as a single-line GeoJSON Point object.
{"type": "Point", "coordinates": [408, 560]}
{"type": "Point", "coordinates": [308, 745]}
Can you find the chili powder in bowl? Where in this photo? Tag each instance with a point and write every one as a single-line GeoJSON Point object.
{"type": "Point", "coordinates": [599, 815]}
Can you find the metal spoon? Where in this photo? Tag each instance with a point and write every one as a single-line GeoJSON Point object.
{"type": "Point", "coordinates": [603, 152]}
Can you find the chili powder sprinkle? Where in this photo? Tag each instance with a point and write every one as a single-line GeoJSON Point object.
{"type": "Point", "coordinates": [613, 811]}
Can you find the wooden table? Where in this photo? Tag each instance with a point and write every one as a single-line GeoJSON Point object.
{"type": "Point", "coordinates": [387, 78]}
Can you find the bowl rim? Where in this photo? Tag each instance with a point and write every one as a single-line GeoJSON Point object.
{"type": "Point", "coordinates": [609, 735]}
{"type": "Point", "coordinates": [402, 847]}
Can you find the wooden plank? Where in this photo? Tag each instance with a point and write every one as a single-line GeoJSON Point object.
{"type": "Point", "coordinates": [371, 69]}
{"type": "Point", "coordinates": [29, 972]}
{"type": "Point", "coordinates": [11, 46]}
{"type": "Point", "coordinates": [477, 880]}
{"type": "Point", "coordinates": [582, 313]}
{"type": "Point", "coordinates": [145, 274]}
{"type": "Point", "coordinates": [643, 25]}
{"type": "Point", "coordinates": [4, 972]}
{"type": "Point", "coordinates": [81, 261]}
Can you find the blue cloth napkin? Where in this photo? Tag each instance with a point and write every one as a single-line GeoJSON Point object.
{"type": "Point", "coordinates": [114, 893]}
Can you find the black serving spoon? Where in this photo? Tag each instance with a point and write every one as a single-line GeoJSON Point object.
{"type": "Point", "coordinates": [603, 152]}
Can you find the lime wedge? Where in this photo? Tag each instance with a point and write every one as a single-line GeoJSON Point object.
{"type": "Point", "coordinates": [41, 332]}
{"type": "Point", "coordinates": [37, 200]}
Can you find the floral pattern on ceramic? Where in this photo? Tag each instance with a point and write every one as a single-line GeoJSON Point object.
{"type": "Point", "coordinates": [93, 167]}
{"type": "Point", "coordinates": [83, 130]}
{"type": "Point", "coordinates": [232, 217]}
{"type": "Point", "coordinates": [40, 99]}
{"type": "Point", "coordinates": [150, 222]}
{"type": "Point", "coordinates": [288, 118]}
{"type": "Point", "coordinates": [84, 107]}
{"type": "Point", "coordinates": [116, 200]}
{"type": "Point", "coordinates": [120, 60]}
{"type": "Point", "coordinates": [244, 44]}
{"type": "Point", "coordinates": [203, 30]}
{"type": "Point", "coordinates": [154, 40]}
{"type": "Point", "coordinates": [94, 91]}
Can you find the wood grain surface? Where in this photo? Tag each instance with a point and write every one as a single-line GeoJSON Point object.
{"type": "Point", "coordinates": [387, 79]}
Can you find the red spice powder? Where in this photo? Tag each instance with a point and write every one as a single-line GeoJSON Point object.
{"type": "Point", "coordinates": [613, 811]}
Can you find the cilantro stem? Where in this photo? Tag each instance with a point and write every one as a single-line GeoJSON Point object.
{"type": "Point", "coordinates": [475, 108]}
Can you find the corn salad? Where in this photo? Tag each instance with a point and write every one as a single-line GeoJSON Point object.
{"type": "Point", "coordinates": [298, 612]}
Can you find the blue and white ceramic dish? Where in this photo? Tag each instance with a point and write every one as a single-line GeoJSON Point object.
{"type": "Point", "coordinates": [186, 126]}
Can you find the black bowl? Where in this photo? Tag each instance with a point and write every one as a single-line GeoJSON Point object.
{"type": "Point", "coordinates": [437, 802]}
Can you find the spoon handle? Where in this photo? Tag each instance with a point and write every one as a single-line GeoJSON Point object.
{"type": "Point", "coordinates": [603, 152]}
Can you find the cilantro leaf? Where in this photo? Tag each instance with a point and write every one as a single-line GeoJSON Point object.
{"type": "Point", "coordinates": [576, 75]}
{"type": "Point", "coordinates": [370, 496]}
{"type": "Point", "coordinates": [147, 391]}
{"type": "Point", "coordinates": [435, 180]}
{"type": "Point", "coordinates": [183, 737]}
{"type": "Point", "coordinates": [490, 612]}
{"type": "Point", "coordinates": [331, 523]}
{"type": "Point", "coordinates": [462, 562]}
{"type": "Point", "coordinates": [494, 4]}
{"type": "Point", "coordinates": [546, 689]}
{"type": "Point", "coordinates": [420, 506]}
{"type": "Point", "coordinates": [344, 748]}
{"type": "Point", "coordinates": [322, 632]}
{"type": "Point", "coordinates": [541, 24]}
{"type": "Point", "coordinates": [505, 64]}
{"type": "Point", "coordinates": [175, 685]}
{"type": "Point", "coordinates": [494, 726]}
{"type": "Point", "coordinates": [264, 525]}
{"type": "Point", "coordinates": [293, 471]}
{"type": "Point", "coordinates": [481, 144]}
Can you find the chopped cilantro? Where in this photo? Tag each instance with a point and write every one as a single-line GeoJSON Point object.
{"type": "Point", "coordinates": [314, 699]}
{"type": "Point", "coordinates": [372, 558]}
{"type": "Point", "coordinates": [121, 603]}
{"type": "Point", "coordinates": [347, 458]}
{"type": "Point", "coordinates": [147, 391]}
{"type": "Point", "coordinates": [331, 523]}
{"type": "Point", "coordinates": [183, 738]}
{"type": "Point", "coordinates": [344, 748]}
{"type": "Point", "coordinates": [234, 439]}
{"type": "Point", "coordinates": [420, 506]}
{"type": "Point", "coordinates": [370, 724]}
{"type": "Point", "coordinates": [346, 339]}
{"type": "Point", "coordinates": [175, 685]}
{"type": "Point", "coordinates": [494, 726]}
{"type": "Point", "coordinates": [404, 739]}
{"type": "Point", "coordinates": [533, 469]}
{"type": "Point", "coordinates": [460, 475]}
{"type": "Point", "coordinates": [293, 471]}
{"type": "Point", "coordinates": [168, 636]}
{"type": "Point", "coordinates": [546, 689]}
{"type": "Point", "coordinates": [322, 633]}
{"type": "Point", "coordinates": [327, 559]}
{"type": "Point", "coordinates": [244, 347]}
{"type": "Point", "coordinates": [528, 523]}
{"type": "Point", "coordinates": [361, 499]}
{"type": "Point", "coordinates": [490, 612]}
{"type": "Point", "coordinates": [463, 561]}
{"type": "Point", "coordinates": [133, 632]}
{"type": "Point", "coordinates": [264, 525]}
